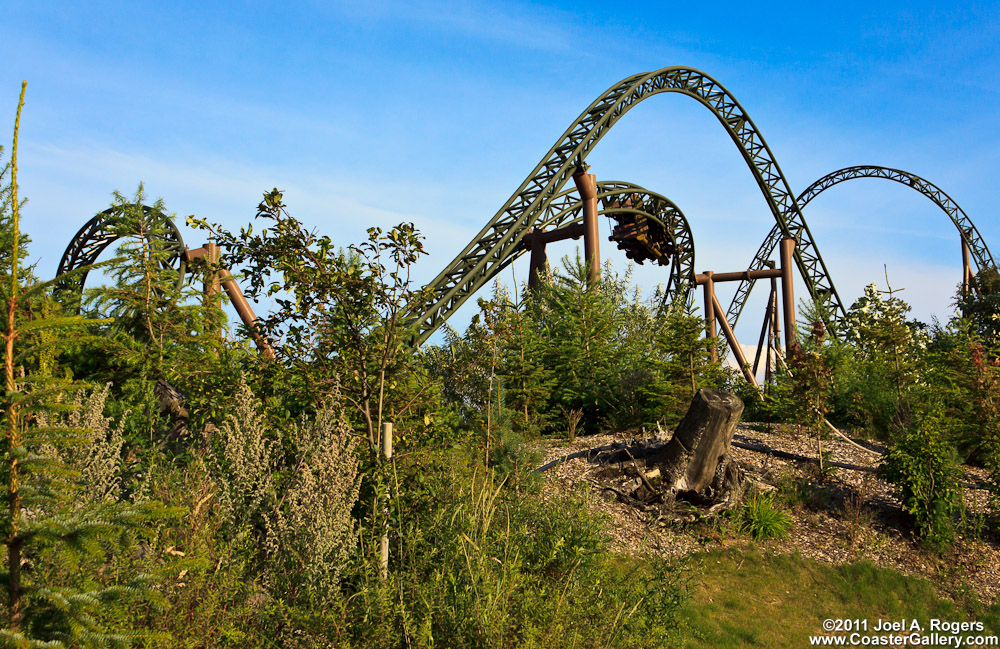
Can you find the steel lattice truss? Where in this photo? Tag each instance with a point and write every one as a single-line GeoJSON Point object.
{"type": "Point", "coordinates": [526, 208]}
{"type": "Point", "coordinates": [978, 251]}
{"type": "Point", "coordinates": [618, 199]}
{"type": "Point", "coordinates": [95, 236]}
{"type": "Point", "coordinates": [615, 198]}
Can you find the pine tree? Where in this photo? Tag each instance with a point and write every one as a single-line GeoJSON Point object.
{"type": "Point", "coordinates": [41, 519]}
{"type": "Point", "coordinates": [580, 350]}
{"type": "Point", "coordinates": [684, 354]}
{"type": "Point", "coordinates": [159, 331]}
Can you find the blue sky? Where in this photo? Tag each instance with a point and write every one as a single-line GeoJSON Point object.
{"type": "Point", "coordinates": [434, 112]}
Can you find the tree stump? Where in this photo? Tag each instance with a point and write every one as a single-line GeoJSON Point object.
{"type": "Point", "coordinates": [695, 462]}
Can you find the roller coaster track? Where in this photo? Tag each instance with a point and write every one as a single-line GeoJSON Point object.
{"type": "Point", "coordinates": [966, 228]}
{"type": "Point", "coordinates": [616, 198]}
{"type": "Point", "coordinates": [100, 232]}
{"type": "Point", "coordinates": [528, 206]}
{"type": "Point", "coordinates": [565, 209]}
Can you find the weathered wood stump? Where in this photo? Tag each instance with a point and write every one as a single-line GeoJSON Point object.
{"type": "Point", "coordinates": [695, 464]}
{"type": "Point", "coordinates": [173, 403]}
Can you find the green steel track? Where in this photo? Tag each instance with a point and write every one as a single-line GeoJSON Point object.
{"type": "Point", "coordinates": [566, 209]}
{"type": "Point", "coordinates": [978, 251]}
{"type": "Point", "coordinates": [530, 204]}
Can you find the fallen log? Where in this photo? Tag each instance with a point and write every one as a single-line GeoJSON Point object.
{"type": "Point", "coordinates": [587, 452]}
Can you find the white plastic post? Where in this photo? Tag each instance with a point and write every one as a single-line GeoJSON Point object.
{"type": "Point", "coordinates": [384, 543]}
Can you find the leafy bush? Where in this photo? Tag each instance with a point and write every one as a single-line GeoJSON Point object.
{"type": "Point", "coordinates": [340, 312]}
{"type": "Point", "coordinates": [922, 463]}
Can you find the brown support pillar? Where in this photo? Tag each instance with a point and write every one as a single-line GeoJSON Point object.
{"type": "Point", "coordinates": [787, 247]}
{"type": "Point", "coordinates": [775, 322]}
{"type": "Point", "coordinates": [710, 312]}
{"type": "Point", "coordinates": [966, 269]}
{"type": "Point", "coordinates": [734, 345]}
{"type": "Point", "coordinates": [765, 333]}
{"type": "Point", "coordinates": [765, 328]}
{"type": "Point", "coordinates": [586, 184]}
{"type": "Point", "coordinates": [538, 260]}
{"type": "Point", "coordinates": [244, 310]}
{"type": "Point", "coordinates": [212, 276]}
{"type": "Point", "coordinates": [774, 341]}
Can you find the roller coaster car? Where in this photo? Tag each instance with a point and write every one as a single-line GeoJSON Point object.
{"type": "Point", "coordinates": [641, 238]}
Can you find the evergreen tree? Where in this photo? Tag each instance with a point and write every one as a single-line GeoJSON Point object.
{"type": "Point", "coordinates": [982, 305]}
{"type": "Point", "coordinates": [158, 331]}
{"type": "Point", "coordinates": [516, 351]}
{"type": "Point", "coordinates": [41, 518]}
{"type": "Point", "coordinates": [580, 331]}
{"type": "Point", "coordinates": [684, 355]}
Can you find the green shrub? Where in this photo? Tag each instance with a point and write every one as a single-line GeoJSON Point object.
{"type": "Point", "coordinates": [922, 463]}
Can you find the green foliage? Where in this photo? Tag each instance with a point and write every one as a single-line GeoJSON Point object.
{"type": "Point", "coordinates": [7, 196]}
{"type": "Point", "coordinates": [512, 461]}
{"type": "Point", "coordinates": [339, 315]}
{"type": "Point", "coordinates": [884, 362]}
{"type": "Point", "coordinates": [479, 565]}
{"type": "Point", "coordinates": [580, 323]}
{"type": "Point", "coordinates": [568, 349]}
{"type": "Point", "coordinates": [155, 330]}
{"type": "Point", "coordinates": [981, 307]}
{"type": "Point", "coordinates": [761, 518]}
{"type": "Point", "coordinates": [685, 354]}
{"type": "Point", "coordinates": [286, 496]}
{"type": "Point", "coordinates": [964, 373]}
{"type": "Point", "coordinates": [60, 509]}
{"type": "Point", "coordinates": [923, 465]}
{"type": "Point", "coordinates": [809, 379]}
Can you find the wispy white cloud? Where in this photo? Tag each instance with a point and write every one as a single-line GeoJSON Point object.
{"type": "Point", "coordinates": [69, 185]}
{"type": "Point", "coordinates": [519, 25]}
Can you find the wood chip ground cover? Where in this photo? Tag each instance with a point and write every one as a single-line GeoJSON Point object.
{"type": "Point", "coordinates": [844, 517]}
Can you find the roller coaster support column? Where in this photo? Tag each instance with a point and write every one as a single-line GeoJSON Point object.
{"type": "Point", "coordinates": [586, 184]}
{"type": "Point", "coordinates": [210, 253]}
{"type": "Point", "coordinates": [538, 259]}
{"type": "Point", "coordinates": [787, 248]}
{"type": "Point", "coordinates": [536, 240]}
{"type": "Point", "coordinates": [245, 312]}
{"type": "Point", "coordinates": [774, 340]}
{"type": "Point", "coordinates": [710, 301]}
{"type": "Point", "coordinates": [714, 311]}
{"type": "Point", "coordinates": [966, 269]}
{"type": "Point", "coordinates": [765, 331]}
{"type": "Point", "coordinates": [212, 279]}
{"type": "Point", "coordinates": [734, 345]}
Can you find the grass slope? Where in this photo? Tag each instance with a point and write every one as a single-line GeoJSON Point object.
{"type": "Point", "coordinates": [745, 598]}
